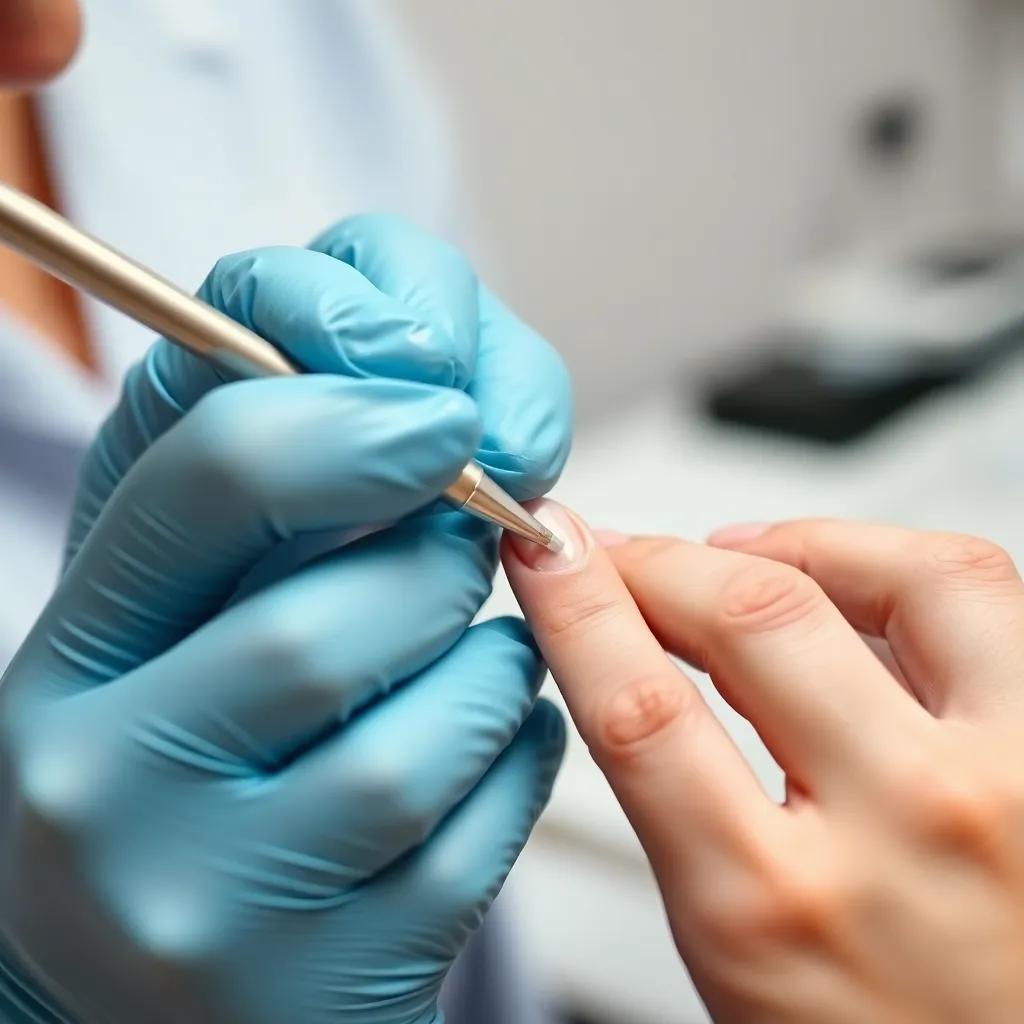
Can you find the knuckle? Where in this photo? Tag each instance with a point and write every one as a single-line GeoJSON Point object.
{"type": "Point", "coordinates": [732, 906]}
{"type": "Point", "coordinates": [393, 790]}
{"type": "Point", "coordinates": [171, 936]}
{"type": "Point", "coordinates": [641, 711]}
{"type": "Point", "coordinates": [764, 597]}
{"type": "Point", "coordinates": [291, 646]}
{"type": "Point", "coordinates": [56, 787]}
{"type": "Point", "coordinates": [960, 813]}
{"type": "Point", "coordinates": [733, 919]}
{"type": "Point", "coordinates": [223, 447]}
{"type": "Point", "coordinates": [964, 559]}
{"type": "Point", "coordinates": [457, 888]}
{"type": "Point", "coordinates": [808, 902]}
{"type": "Point", "coordinates": [726, 924]}
{"type": "Point", "coordinates": [579, 615]}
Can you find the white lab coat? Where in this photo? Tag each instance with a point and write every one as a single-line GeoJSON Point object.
{"type": "Point", "coordinates": [188, 129]}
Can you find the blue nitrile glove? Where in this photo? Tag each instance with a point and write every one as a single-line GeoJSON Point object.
{"type": "Point", "coordinates": [292, 805]}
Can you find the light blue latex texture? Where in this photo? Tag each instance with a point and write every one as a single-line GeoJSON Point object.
{"type": "Point", "coordinates": [249, 773]}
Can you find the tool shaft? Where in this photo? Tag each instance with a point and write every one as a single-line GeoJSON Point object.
{"type": "Point", "coordinates": [84, 262]}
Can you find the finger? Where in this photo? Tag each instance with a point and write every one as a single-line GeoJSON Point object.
{"type": "Point", "coordinates": [680, 779]}
{"type": "Point", "coordinates": [950, 607]}
{"type": "Point", "coordinates": [778, 649]}
{"type": "Point", "coordinates": [417, 269]}
{"type": "Point", "coordinates": [382, 785]}
{"type": "Point", "coordinates": [277, 673]}
{"type": "Point", "coordinates": [443, 890]}
{"type": "Point", "coordinates": [516, 378]}
{"type": "Point", "coordinates": [323, 313]}
{"type": "Point", "coordinates": [256, 463]}
{"type": "Point", "coordinates": [424, 908]}
{"type": "Point", "coordinates": [525, 399]}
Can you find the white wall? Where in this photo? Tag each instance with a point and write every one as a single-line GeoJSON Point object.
{"type": "Point", "coordinates": [647, 173]}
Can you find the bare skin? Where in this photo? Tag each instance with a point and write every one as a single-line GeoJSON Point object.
{"type": "Point", "coordinates": [47, 306]}
{"type": "Point", "coordinates": [889, 888]}
{"type": "Point", "coordinates": [38, 38]}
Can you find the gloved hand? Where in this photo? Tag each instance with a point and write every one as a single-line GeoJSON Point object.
{"type": "Point", "coordinates": [244, 788]}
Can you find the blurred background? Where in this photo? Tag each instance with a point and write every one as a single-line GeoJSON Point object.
{"type": "Point", "coordinates": [777, 243]}
{"type": "Point", "coordinates": [648, 178]}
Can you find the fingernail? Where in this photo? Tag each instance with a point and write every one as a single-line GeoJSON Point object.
{"type": "Point", "coordinates": [611, 538]}
{"type": "Point", "coordinates": [574, 552]}
{"type": "Point", "coordinates": [734, 536]}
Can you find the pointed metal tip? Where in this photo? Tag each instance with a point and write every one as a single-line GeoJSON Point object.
{"type": "Point", "coordinates": [477, 494]}
{"type": "Point", "coordinates": [554, 544]}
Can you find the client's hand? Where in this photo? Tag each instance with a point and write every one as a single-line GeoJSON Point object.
{"type": "Point", "coordinates": [890, 886]}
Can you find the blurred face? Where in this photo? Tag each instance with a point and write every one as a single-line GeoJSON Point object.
{"type": "Point", "coordinates": [38, 38]}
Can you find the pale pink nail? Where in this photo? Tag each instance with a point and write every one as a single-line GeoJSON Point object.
{"type": "Point", "coordinates": [573, 555]}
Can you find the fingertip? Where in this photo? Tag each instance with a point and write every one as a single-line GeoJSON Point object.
{"type": "Point", "coordinates": [525, 391]}
{"type": "Point", "coordinates": [527, 430]}
{"type": "Point", "coordinates": [527, 459]}
{"type": "Point", "coordinates": [577, 544]}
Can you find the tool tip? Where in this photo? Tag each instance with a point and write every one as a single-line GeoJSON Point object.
{"type": "Point", "coordinates": [554, 544]}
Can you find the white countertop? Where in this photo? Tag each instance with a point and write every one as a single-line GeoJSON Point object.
{"type": "Point", "coordinates": [587, 905]}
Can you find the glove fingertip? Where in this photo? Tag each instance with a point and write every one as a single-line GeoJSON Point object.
{"type": "Point", "coordinates": [524, 390]}
{"type": "Point", "coordinates": [423, 272]}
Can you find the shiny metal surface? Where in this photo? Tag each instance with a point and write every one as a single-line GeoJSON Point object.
{"type": "Point", "coordinates": [479, 494]}
{"type": "Point", "coordinates": [83, 262]}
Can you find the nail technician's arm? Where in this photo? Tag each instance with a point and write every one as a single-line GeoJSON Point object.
{"type": "Point", "coordinates": [245, 776]}
{"type": "Point", "coordinates": [890, 887]}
